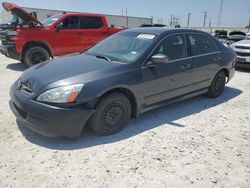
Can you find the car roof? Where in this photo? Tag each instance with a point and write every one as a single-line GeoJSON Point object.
{"type": "Point", "coordinates": [162, 30]}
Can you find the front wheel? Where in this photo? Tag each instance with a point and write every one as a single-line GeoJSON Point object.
{"type": "Point", "coordinates": [113, 114]}
{"type": "Point", "coordinates": [217, 86]}
{"type": "Point", "coordinates": [35, 55]}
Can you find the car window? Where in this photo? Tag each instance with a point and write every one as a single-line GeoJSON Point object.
{"type": "Point", "coordinates": [201, 44]}
{"type": "Point", "coordinates": [174, 47]}
{"type": "Point", "coordinates": [90, 22]}
{"type": "Point", "coordinates": [51, 20]}
{"type": "Point", "coordinates": [69, 23]}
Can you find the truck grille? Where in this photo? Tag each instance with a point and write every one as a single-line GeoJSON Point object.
{"type": "Point", "coordinates": [243, 54]}
{"type": "Point", "coordinates": [4, 38]}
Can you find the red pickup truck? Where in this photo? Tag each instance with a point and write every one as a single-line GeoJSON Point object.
{"type": "Point", "coordinates": [33, 41]}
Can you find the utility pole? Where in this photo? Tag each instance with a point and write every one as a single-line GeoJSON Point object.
{"type": "Point", "coordinates": [122, 11]}
{"type": "Point", "coordinates": [127, 17]}
{"type": "Point", "coordinates": [220, 13]}
{"type": "Point", "coordinates": [248, 27]}
{"type": "Point", "coordinates": [210, 22]}
{"type": "Point", "coordinates": [171, 20]}
{"type": "Point", "coordinates": [152, 19]}
{"type": "Point", "coordinates": [205, 17]}
{"type": "Point", "coordinates": [189, 14]}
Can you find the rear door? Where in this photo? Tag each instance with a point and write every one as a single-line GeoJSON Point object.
{"type": "Point", "coordinates": [67, 36]}
{"type": "Point", "coordinates": [93, 30]}
{"type": "Point", "coordinates": [166, 81]}
{"type": "Point", "coordinates": [206, 58]}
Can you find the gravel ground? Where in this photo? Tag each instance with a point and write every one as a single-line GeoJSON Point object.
{"type": "Point", "coordinates": [199, 142]}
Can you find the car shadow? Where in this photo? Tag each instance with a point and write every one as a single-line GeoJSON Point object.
{"type": "Point", "coordinates": [243, 70]}
{"type": "Point", "coordinates": [165, 116]}
{"type": "Point", "coordinates": [17, 66]}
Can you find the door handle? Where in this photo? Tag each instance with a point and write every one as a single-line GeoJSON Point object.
{"type": "Point", "coordinates": [79, 33]}
{"type": "Point", "coordinates": [186, 66]}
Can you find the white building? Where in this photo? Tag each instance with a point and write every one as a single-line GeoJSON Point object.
{"type": "Point", "coordinates": [113, 20]}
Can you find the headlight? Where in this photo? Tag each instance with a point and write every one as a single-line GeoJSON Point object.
{"type": "Point", "coordinates": [64, 94]}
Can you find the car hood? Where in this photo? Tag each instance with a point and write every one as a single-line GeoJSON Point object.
{"type": "Point", "coordinates": [24, 15]}
{"type": "Point", "coordinates": [243, 43]}
{"type": "Point", "coordinates": [62, 70]}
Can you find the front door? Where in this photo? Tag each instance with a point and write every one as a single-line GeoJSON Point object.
{"type": "Point", "coordinates": [68, 36]}
{"type": "Point", "coordinates": [166, 81]}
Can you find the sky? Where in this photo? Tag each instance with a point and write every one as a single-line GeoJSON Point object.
{"type": "Point", "coordinates": [235, 13]}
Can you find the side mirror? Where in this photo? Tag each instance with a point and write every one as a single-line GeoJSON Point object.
{"type": "Point", "coordinates": [159, 59]}
{"type": "Point", "coordinates": [57, 28]}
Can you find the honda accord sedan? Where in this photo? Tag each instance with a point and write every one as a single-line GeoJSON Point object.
{"type": "Point", "coordinates": [131, 72]}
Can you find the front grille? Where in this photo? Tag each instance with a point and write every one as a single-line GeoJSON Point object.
{"type": "Point", "coordinates": [243, 54]}
{"type": "Point", "coordinates": [243, 47]}
{"type": "Point", "coordinates": [21, 112]}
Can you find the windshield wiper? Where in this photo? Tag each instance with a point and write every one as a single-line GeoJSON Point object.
{"type": "Point", "coordinates": [103, 57]}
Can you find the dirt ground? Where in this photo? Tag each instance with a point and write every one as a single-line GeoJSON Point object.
{"type": "Point", "coordinates": [200, 142]}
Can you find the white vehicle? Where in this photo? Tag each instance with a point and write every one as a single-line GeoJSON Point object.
{"type": "Point", "coordinates": [248, 35]}
{"type": "Point", "coordinates": [242, 49]}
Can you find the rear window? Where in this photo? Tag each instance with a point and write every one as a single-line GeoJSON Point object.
{"type": "Point", "coordinates": [90, 22]}
{"type": "Point", "coordinates": [201, 44]}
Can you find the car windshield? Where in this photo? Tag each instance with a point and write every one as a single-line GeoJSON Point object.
{"type": "Point", "coordinates": [51, 20]}
{"type": "Point", "coordinates": [237, 37]}
{"type": "Point", "coordinates": [124, 47]}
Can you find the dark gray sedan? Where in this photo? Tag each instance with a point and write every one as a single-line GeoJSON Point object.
{"type": "Point", "coordinates": [121, 77]}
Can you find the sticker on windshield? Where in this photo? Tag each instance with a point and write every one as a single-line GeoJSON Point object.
{"type": "Point", "coordinates": [146, 36]}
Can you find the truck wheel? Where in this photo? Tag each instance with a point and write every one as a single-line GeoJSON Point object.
{"type": "Point", "coordinates": [217, 86]}
{"type": "Point", "coordinates": [35, 55]}
{"type": "Point", "coordinates": [112, 115]}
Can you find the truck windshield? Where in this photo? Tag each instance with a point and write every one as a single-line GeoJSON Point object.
{"type": "Point", "coordinates": [124, 47]}
{"type": "Point", "coordinates": [14, 19]}
{"type": "Point", "coordinates": [51, 20]}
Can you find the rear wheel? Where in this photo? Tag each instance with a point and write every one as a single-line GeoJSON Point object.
{"type": "Point", "coordinates": [35, 55]}
{"type": "Point", "coordinates": [113, 114]}
{"type": "Point", "coordinates": [217, 86]}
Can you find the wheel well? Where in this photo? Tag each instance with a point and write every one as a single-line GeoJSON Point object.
{"type": "Point", "coordinates": [128, 94]}
{"type": "Point", "coordinates": [36, 43]}
{"type": "Point", "coordinates": [226, 73]}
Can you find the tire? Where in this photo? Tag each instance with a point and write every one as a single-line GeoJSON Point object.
{"type": "Point", "coordinates": [35, 55]}
{"type": "Point", "coordinates": [112, 115]}
{"type": "Point", "coordinates": [217, 86]}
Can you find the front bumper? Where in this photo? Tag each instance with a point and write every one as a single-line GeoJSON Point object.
{"type": "Point", "coordinates": [243, 60]}
{"type": "Point", "coordinates": [46, 120]}
{"type": "Point", "coordinates": [10, 51]}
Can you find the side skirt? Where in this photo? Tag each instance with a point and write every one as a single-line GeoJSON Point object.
{"type": "Point", "coordinates": [174, 100]}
